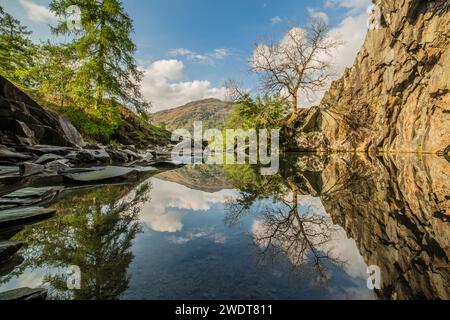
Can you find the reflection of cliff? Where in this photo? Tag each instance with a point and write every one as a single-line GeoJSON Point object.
{"type": "Point", "coordinates": [397, 210]}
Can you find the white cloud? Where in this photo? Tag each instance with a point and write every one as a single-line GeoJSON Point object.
{"type": "Point", "coordinates": [352, 32]}
{"type": "Point", "coordinates": [37, 12]}
{"type": "Point", "coordinates": [160, 86]}
{"type": "Point", "coordinates": [168, 69]}
{"type": "Point", "coordinates": [276, 20]}
{"type": "Point", "coordinates": [315, 14]}
{"type": "Point", "coordinates": [206, 58]}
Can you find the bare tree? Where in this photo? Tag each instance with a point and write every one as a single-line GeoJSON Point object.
{"type": "Point", "coordinates": [299, 64]}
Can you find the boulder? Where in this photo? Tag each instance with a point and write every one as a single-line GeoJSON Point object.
{"type": "Point", "coordinates": [116, 155]}
{"type": "Point", "coordinates": [24, 134]}
{"type": "Point", "coordinates": [45, 149]}
{"type": "Point", "coordinates": [9, 265]}
{"type": "Point", "coordinates": [28, 197]}
{"type": "Point", "coordinates": [132, 155]}
{"type": "Point", "coordinates": [8, 171]}
{"type": "Point", "coordinates": [92, 156]}
{"type": "Point", "coordinates": [34, 192]}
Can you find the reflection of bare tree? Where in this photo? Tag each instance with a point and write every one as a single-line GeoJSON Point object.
{"type": "Point", "coordinates": [287, 229]}
{"type": "Point", "coordinates": [302, 237]}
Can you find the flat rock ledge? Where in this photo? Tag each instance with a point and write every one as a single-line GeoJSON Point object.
{"type": "Point", "coordinates": [22, 216]}
{"type": "Point", "coordinates": [24, 294]}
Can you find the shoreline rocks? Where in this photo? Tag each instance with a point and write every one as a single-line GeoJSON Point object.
{"type": "Point", "coordinates": [8, 249]}
{"type": "Point", "coordinates": [24, 294]}
{"type": "Point", "coordinates": [23, 216]}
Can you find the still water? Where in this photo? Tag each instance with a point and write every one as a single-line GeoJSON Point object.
{"type": "Point", "coordinates": [210, 232]}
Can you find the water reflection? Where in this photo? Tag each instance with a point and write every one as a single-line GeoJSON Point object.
{"type": "Point", "coordinates": [94, 231]}
{"type": "Point", "coordinates": [396, 208]}
{"type": "Point", "coordinates": [196, 233]}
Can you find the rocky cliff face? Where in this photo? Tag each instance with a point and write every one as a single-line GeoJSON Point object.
{"type": "Point", "coordinates": [396, 97]}
{"type": "Point", "coordinates": [23, 121]}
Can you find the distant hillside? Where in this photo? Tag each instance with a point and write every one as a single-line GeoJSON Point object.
{"type": "Point", "coordinates": [212, 112]}
{"type": "Point", "coordinates": [203, 177]}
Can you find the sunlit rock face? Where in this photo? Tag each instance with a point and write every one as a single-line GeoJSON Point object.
{"type": "Point", "coordinates": [397, 94]}
{"type": "Point", "coordinates": [397, 210]}
{"type": "Point", "coordinates": [23, 121]}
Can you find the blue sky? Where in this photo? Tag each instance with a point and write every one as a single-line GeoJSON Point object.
{"type": "Point", "coordinates": [189, 48]}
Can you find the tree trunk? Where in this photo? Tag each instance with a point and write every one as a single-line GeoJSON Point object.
{"type": "Point", "coordinates": [294, 117]}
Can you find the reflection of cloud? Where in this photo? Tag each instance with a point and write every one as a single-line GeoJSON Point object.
{"type": "Point", "coordinates": [31, 278]}
{"type": "Point", "coordinates": [313, 203]}
{"type": "Point", "coordinates": [169, 222]}
{"type": "Point", "coordinates": [160, 214]}
{"type": "Point", "coordinates": [209, 234]}
{"type": "Point", "coordinates": [37, 12]}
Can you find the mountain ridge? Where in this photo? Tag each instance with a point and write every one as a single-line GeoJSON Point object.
{"type": "Point", "coordinates": [212, 112]}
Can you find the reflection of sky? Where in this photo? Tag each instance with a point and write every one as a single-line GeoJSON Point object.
{"type": "Point", "coordinates": [342, 246]}
{"type": "Point", "coordinates": [163, 212]}
{"type": "Point", "coordinates": [28, 279]}
{"type": "Point", "coordinates": [187, 244]}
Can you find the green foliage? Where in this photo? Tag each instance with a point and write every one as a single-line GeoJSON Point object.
{"type": "Point", "coordinates": [15, 46]}
{"type": "Point", "coordinates": [94, 124]}
{"type": "Point", "coordinates": [53, 74]}
{"type": "Point", "coordinates": [105, 49]}
{"type": "Point", "coordinates": [89, 80]}
{"type": "Point", "coordinates": [259, 113]}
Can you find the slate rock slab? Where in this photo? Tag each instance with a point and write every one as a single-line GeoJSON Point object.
{"type": "Point", "coordinates": [34, 192]}
{"type": "Point", "coordinates": [28, 197]}
{"type": "Point", "coordinates": [7, 171]}
{"type": "Point", "coordinates": [5, 153]}
{"type": "Point", "coordinates": [24, 294]}
{"type": "Point", "coordinates": [102, 174]}
{"type": "Point", "coordinates": [8, 249]}
{"type": "Point", "coordinates": [28, 169]}
{"type": "Point", "coordinates": [21, 216]}
{"type": "Point", "coordinates": [49, 157]}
